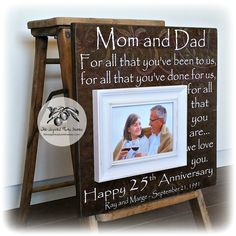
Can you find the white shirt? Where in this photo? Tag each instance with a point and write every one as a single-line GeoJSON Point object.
{"type": "Point", "coordinates": [154, 143]}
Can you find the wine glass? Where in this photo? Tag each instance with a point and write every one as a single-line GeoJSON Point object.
{"type": "Point", "coordinates": [135, 145]}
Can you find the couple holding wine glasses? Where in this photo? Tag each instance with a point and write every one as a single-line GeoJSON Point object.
{"type": "Point", "coordinates": [138, 142]}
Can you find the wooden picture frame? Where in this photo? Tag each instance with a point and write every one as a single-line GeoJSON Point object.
{"type": "Point", "coordinates": [120, 58]}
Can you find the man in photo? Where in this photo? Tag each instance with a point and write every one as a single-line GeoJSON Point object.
{"type": "Point", "coordinates": [160, 140]}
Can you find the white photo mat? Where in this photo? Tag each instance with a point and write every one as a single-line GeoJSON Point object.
{"type": "Point", "coordinates": [104, 100]}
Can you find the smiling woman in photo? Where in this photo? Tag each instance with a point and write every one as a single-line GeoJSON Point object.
{"type": "Point", "coordinates": [134, 143]}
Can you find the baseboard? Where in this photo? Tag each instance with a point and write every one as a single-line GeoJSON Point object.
{"type": "Point", "coordinates": [13, 193]}
{"type": "Point", "coordinates": [224, 158]}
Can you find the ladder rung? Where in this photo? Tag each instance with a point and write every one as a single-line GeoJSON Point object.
{"type": "Point", "coordinates": [52, 61]}
{"type": "Point", "coordinates": [52, 186]}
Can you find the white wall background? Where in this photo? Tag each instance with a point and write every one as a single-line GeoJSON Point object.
{"type": "Point", "coordinates": [17, 56]}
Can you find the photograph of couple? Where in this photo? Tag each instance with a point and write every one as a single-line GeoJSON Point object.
{"type": "Point", "coordinates": [146, 131]}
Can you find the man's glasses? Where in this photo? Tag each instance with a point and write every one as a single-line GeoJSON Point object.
{"type": "Point", "coordinates": [155, 119]}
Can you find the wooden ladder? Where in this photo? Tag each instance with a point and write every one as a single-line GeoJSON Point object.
{"type": "Point", "coordinates": [60, 29]}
